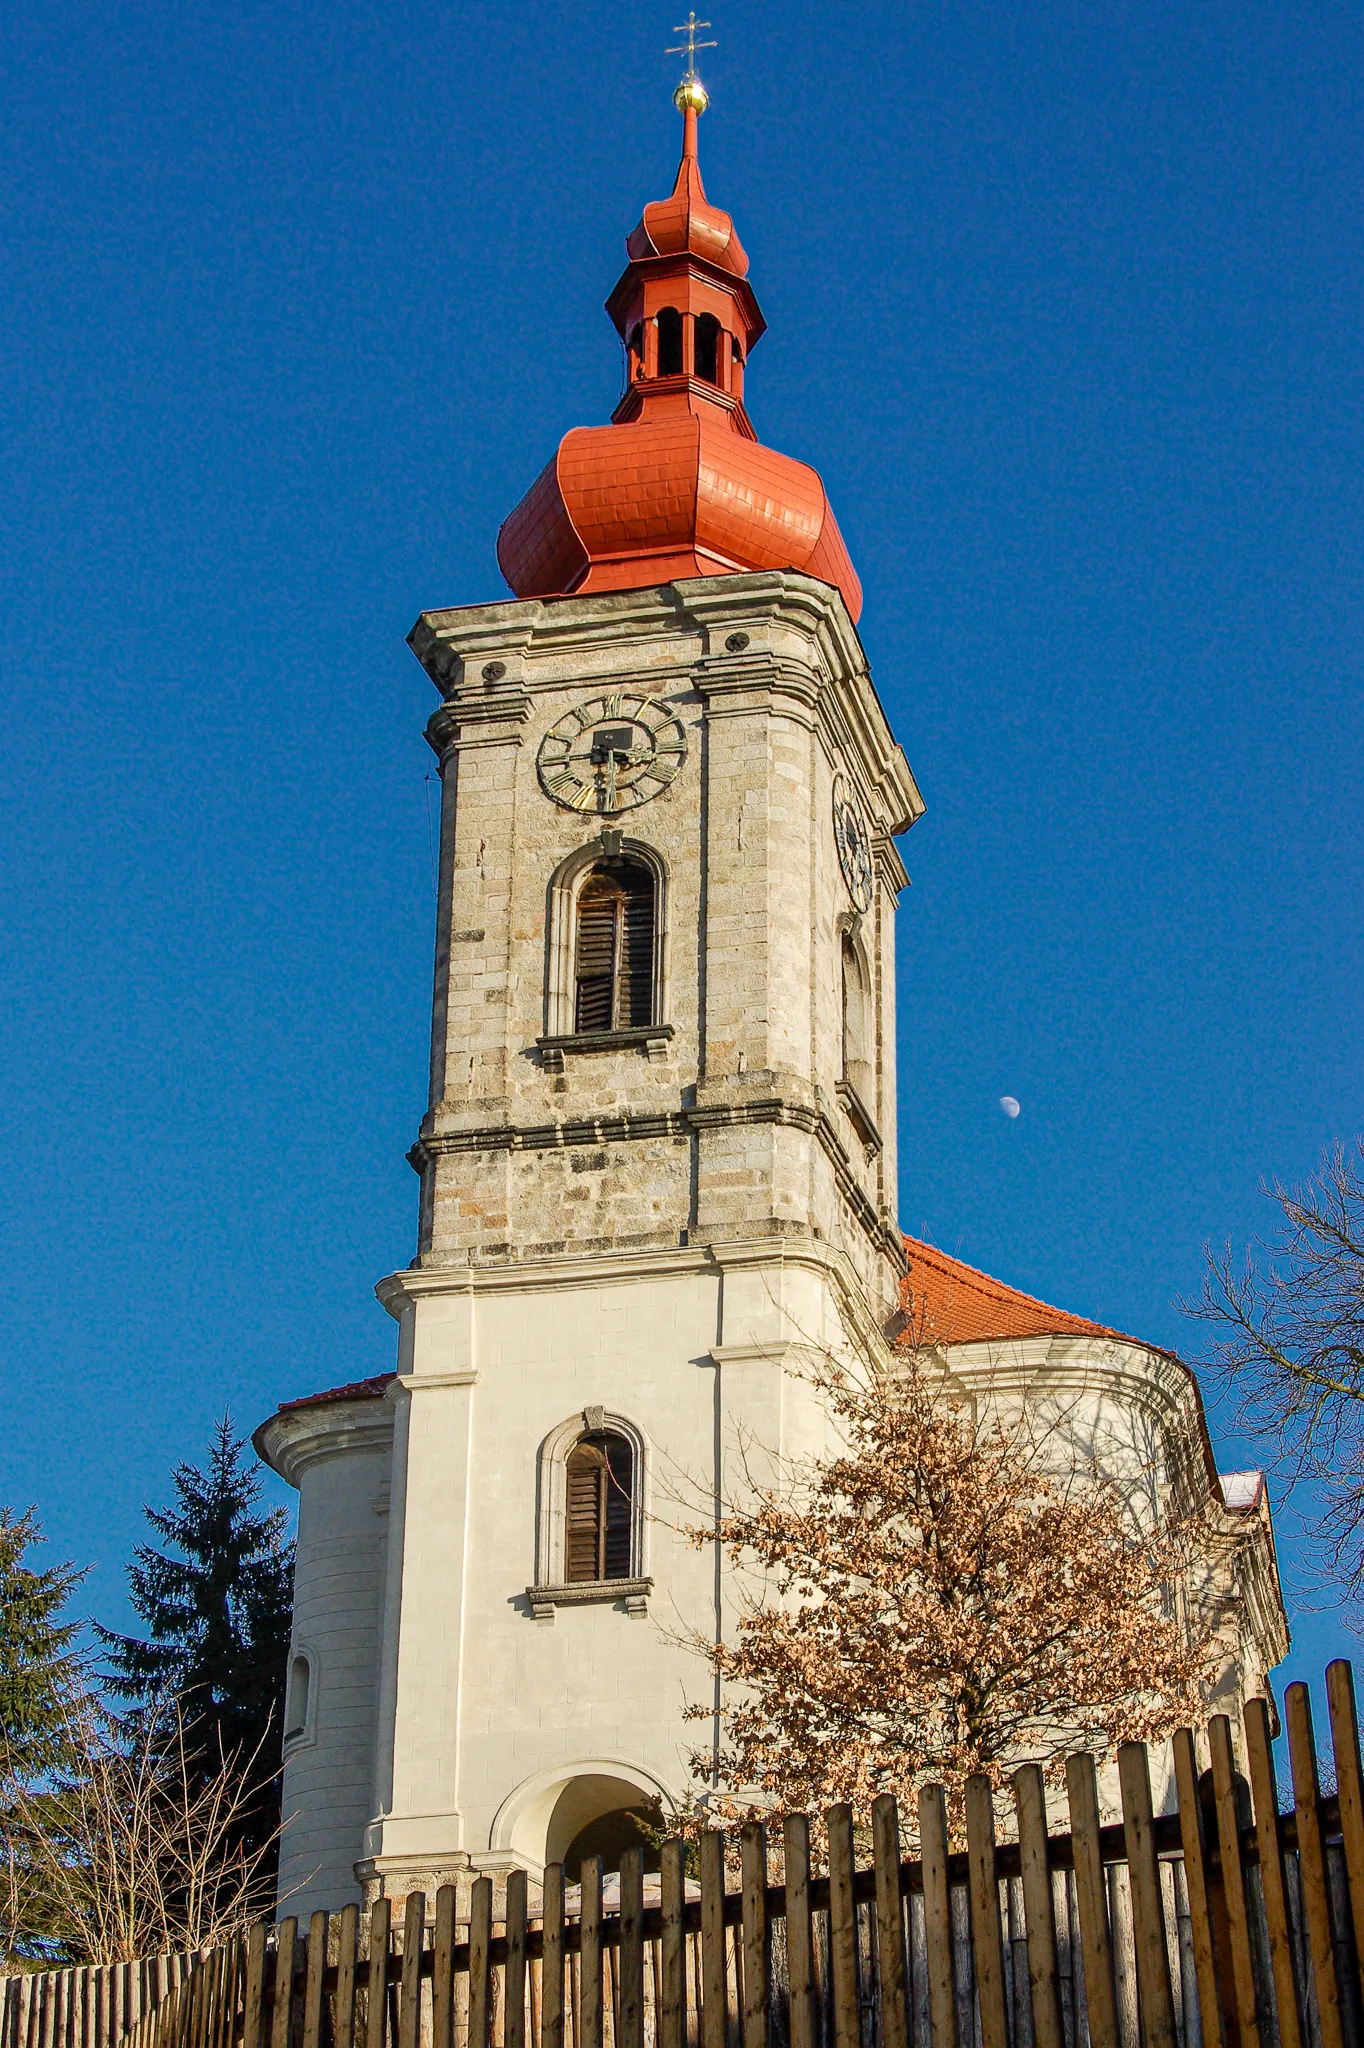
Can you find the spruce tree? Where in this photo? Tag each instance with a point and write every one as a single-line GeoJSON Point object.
{"type": "Point", "coordinates": [39, 1667]}
{"type": "Point", "coordinates": [217, 1607]}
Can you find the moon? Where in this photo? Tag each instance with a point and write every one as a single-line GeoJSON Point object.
{"type": "Point", "coordinates": [1009, 1105]}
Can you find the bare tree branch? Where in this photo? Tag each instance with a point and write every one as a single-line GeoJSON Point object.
{"type": "Point", "coordinates": [1290, 1345]}
{"type": "Point", "coordinates": [136, 1850]}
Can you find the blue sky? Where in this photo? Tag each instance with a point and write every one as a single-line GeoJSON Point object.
{"type": "Point", "coordinates": [1063, 303]}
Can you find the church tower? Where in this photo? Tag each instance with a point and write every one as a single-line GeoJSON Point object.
{"type": "Point", "coordinates": [658, 1163]}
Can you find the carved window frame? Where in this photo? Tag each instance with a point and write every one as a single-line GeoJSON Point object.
{"type": "Point", "coordinates": [857, 1090]}
{"type": "Point", "coordinates": [550, 1589]}
{"type": "Point", "coordinates": [565, 886]}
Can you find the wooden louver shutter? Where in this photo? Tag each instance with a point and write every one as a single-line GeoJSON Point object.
{"type": "Point", "coordinates": [599, 1486]}
{"type": "Point", "coordinates": [595, 959]}
{"type": "Point", "coordinates": [635, 995]}
{"type": "Point", "coordinates": [614, 953]}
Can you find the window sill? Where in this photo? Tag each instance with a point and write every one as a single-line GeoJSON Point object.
{"type": "Point", "coordinates": [651, 1038]}
{"type": "Point", "coordinates": [860, 1118]}
{"type": "Point", "coordinates": [632, 1594]}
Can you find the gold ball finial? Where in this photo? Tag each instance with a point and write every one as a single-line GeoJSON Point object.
{"type": "Point", "coordinates": [691, 93]}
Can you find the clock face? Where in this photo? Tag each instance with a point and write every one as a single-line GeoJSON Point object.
{"type": "Point", "coordinates": [854, 845]}
{"type": "Point", "coordinates": [612, 753]}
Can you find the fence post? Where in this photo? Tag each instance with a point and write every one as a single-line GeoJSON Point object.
{"type": "Point", "coordinates": [1316, 1897]}
{"type": "Point", "coordinates": [630, 2019]}
{"type": "Point", "coordinates": [481, 1968]}
{"type": "Point", "coordinates": [1030, 1801]}
{"type": "Point", "coordinates": [843, 1927]}
{"type": "Point", "coordinates": [552, 1965]}
{"type": "Point", "coordinates": [1340, 1692]}
{"type": "Point", "coordinates": [987, 1935]}
{"type": "Point", "coordinates": [800, 1944]}
{"type": "Point", "coordinates": [589, 1958]}
{"type": "Point", "coordinates": [1264, 1794]}
{"type": "Point", "coordinates": [514, 1976]}
{"type": "Point", "coordinates": [284, 1983]}
{"type": "Point", "coordinates": [316, 1965]}
{"type": "Point", "coordinates": [343, 2025]}
{"type": "Point", "coordinates": [890, 1922]}
{"type": "Point", "coordinates": [714, 1998]}
{"type": "Point", "coordinates": [937, 1914]}
{"type": "Point", "coordinates": [1233, 1879]}
{"type": "Point", "coordinates": [753, 1905]}
{"type": "Point", "coordinates": [1197, 1887]}
{"type": "Point", "coordinates": [1154, 1995]}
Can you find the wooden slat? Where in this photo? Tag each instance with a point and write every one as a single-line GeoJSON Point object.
{"type": "Point", "coordinates": [1091, 1900]}
{"type": "Point", "coordinates": [937, 1914]}
{"type": "Point", "coordinates": [838, 1826]}
{"type": "Point", "coordinates": [1316, 1897]}
{"type": "Point", "coordinates": [1233, 1879]}
{"type": "Point", "coordinates": [1154, 1995]}
{"type": "Point", "coordinates": [987, 1936]}
{"type": "Point", "coordinates": [672, 2004]}
{"type": "Point", "coordinates": [890, 1923]}
{"type": "Point", "coordinates": [589, 2003]}
{"type": "Point", "coordinates": [714, 1995]}
{"type": "Point", "coordinates": [1196, 1884]}
{"type": "Point", "coordinates": [480, 1962]}
{"type": "Point", "coordinates": [1340, 1693]}
{"type": "Point", "coordinates": [253, 2002]}
{"type": "Point", "coordinates": [410, 2002]}
{"type": "Point", "coordinates": [753, 1906]}
{"type": "Point", "coordinates": [1030, 1804]}
{"type": "Point", "coordinates": [514, 1972]}
{"type": "Point", "coordinates": [800, 1942]}
{"type": "Point", "coordinates": [312, 1995]}
{"type": "Point", "coordinates": [343, 2009]}
{"type": "Point", "coordinates": [552, 1964]}
{"type": "Point", "coordinates": [629, 2029]}
{"type": "Point", "coordinates": [284, 1983]}
{"type": "Point", "coordinates": [443, 1969]}
{"type": "Point", "coordinates": [376, 1975]}
{"type": "Point", "coordinates": [1264, 1792]}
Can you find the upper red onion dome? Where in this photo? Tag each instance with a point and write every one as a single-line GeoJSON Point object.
{"type": "Point", "coordinates": [678, 485]}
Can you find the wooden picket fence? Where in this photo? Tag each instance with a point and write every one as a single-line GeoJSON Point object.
{"type": "Point", "coordinates": [93, 2007]}
{"type": "Point", "coordinates": [1227, 1924]}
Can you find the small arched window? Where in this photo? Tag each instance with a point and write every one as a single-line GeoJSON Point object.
{"type": "Point", "coordinates": [613, 953]}
{"type": "Point", "coordinates": [670, 342]}
{"type": "Point", "coordinates": [599, 1496]}
{"type": "Point", "coordinates": [297, 1698]}
{"type": "Point", "coordinates": [635, 350]}
{"type": "Point", "coordinates": [708, 348]}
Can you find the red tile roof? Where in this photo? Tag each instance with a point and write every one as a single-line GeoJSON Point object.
{"type": "Point", "coordinates": [948, 1302]}
{"type": "Point", "coordinates": [357, 1390]}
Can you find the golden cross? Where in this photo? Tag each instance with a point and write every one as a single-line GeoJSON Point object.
{"type": "Point", "coordinates": [689, 49]}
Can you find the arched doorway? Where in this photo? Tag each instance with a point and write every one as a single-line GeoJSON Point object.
{"type": "Point", "coordinates": [562, 1816]}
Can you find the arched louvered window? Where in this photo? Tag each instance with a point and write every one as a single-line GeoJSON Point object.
{"type": "Point", "coordinates": [708, 348]}
{"type": "Point", "coordinates": [670, 342]}
{"type": "Point", "coordinates": [613, 953]}
{"type": "Point", "coordinates": [857, 1062]}
{"type": "Point", "coordinates": [598, 1509]}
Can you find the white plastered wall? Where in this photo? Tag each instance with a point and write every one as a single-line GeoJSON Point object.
{"type": "Point", "coordinates": [338, 1455]}
{"type": "Point", "coordinates": [497, 1720]}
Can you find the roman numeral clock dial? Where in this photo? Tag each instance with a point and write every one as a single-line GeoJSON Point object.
{"type": "Point", "coordinates": [610, 754]}
{"type": "Point", "coordinates": [854, 845]}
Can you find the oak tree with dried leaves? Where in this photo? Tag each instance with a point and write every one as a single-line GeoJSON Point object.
{"type": "Point", "coordinates": [930, 1601]}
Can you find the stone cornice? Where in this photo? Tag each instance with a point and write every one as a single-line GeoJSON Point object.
{"type": "Point", "coordinates": [826, 681]}
{"type": "Point", "coordinates": [298, 1437]}
{"type": "Point", "coordinates": [413, 1284]}
{"type": "Point", "coordinates": [627, 1126]}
